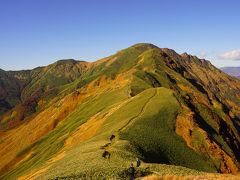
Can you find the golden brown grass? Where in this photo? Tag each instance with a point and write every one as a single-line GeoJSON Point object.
{"type": "Point", "coordinates": [21, 137]}
{"type": "Point", "coordinates": [200, 177]}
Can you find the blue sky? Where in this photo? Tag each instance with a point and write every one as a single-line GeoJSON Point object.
{"type": "Point", "coordinates": [38, 32]}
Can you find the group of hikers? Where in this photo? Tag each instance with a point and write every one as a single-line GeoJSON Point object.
{"type": "Point", "coordinates": [132, 169]}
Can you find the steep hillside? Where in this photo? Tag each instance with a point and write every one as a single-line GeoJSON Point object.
{"type": "Point", "coordinates": [11, 85]}
{"type": "Point", "coordinates": [27, 92]}
{"type": "Point", "coordinates": [90, 120]}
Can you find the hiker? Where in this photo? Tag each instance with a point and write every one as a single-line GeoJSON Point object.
{"type": "Point", "coordinates": [112, 137]}
{"type": "Point", "coordinates": [106, 155]}
{"type": "Point", "coordinates": [138, 162]}
{"type": "Point", "coordinates": [131, 171]}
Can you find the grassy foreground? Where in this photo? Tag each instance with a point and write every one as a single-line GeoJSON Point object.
{"type": "Point", "coordinates": [72, 154]}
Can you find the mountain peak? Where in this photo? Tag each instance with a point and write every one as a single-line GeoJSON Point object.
{"type": "Point", "coordinates": [63, 61]}
{"type": "Point", "coordinates": [185, 55]}
{"type": "Point", "coordinates": [144, 46]}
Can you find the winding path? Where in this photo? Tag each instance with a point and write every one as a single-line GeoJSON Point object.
{"type": "Point", "coordinates": [130, 121]}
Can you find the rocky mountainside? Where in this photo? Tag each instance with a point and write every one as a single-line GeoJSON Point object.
{"type": "Point", "coordinates": [91, 119]}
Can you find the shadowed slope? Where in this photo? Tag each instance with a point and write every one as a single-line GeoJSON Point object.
{"type": "Point", "coordinates": [35, 88]}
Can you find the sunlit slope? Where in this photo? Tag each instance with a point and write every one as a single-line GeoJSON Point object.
{"type": "Point", "coordinates": [83, 151]}
{"type": "Point", "coordinates": [46, 135]}
{"type": "Point", "coordinates": [152, 103]}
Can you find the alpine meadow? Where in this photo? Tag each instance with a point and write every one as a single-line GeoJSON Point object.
{"type": "Point", "coordinates": [178, 114]}
{"type": "Point", "coordinates": [119, 90]}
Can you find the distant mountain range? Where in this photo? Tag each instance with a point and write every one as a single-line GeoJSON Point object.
{"type": "Point", "coordinates": [232, 71]}
{"type": "Point", "coordinates": [89, 120]}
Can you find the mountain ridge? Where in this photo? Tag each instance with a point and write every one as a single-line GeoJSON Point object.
{"type": "Point", "coordinates": [196, 107]}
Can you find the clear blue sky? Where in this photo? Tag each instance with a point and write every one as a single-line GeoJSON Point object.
{"type": "Point", "coordinates": [39, 32]}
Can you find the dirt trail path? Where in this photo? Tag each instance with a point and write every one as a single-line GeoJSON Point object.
{"type": "Point", "coordinates": [130, 121]}
{"type": "Point", "coordinates": [113, 139]}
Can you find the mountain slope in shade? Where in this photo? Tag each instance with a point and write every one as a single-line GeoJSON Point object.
{"type": "Point", "coordinates": [232, 71]}
{"type": "Point", "coordinates": [25, 92]}
{"type": "Point", "coordinates": [11, 85]}
{"type": "Point", "coordinates": [91, 119]}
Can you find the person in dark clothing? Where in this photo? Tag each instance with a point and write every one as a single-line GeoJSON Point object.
{"type": "Point", "coordinates": [138, 162]}
{"type": "Point", "coordinates": [131, 171]}
{"type": "Point", "coordinates": [112, 137]}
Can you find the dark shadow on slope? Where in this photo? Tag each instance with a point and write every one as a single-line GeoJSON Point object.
{"type": "Point", "coordinates": [236, 123]}
{"type": "Point", "coordinates": [225, 131]}
{"type": "Point", "coordinates": [197, 85]}
{"type": "Point", "coordinates": [171, 79]}
{"type": "Point", "coordinates": [147, 77]}
{"type": "Point", "coordinates": [153, 80]}
{"type": "Point", "coordinates": [225, 108]}
{"type": "Point", "coordinates": [201, 122]}
{"type": "Point", "coordinates": [152, 156]}
{"type": "Point", "coordinates": [157, 143]}
{"type": "Point", "coordinates": [230, 138]}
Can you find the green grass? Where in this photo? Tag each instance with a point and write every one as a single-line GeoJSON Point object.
{"type": "Point", "coordinates": [144, 124]}
{"type": "Point", "coordinates": [153, 133]}
{"type": "Point", "coordinates": [85, 159]}
{"type": "Point", "coordinates": [50, 144]}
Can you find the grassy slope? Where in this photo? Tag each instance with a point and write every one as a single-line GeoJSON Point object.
{"type": "Point", "coordinates": [53, 142]}
{"type": "Point", "coordinates": [85, 159]}
{"type": "Point", "coordinates": [30, 91]}
{"type": "Point", "coordinates": [152, 110]}
{"type": "Point", "coordinates": [154, 134]}
{"type": "Point", "coordinates": [170, 73]}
